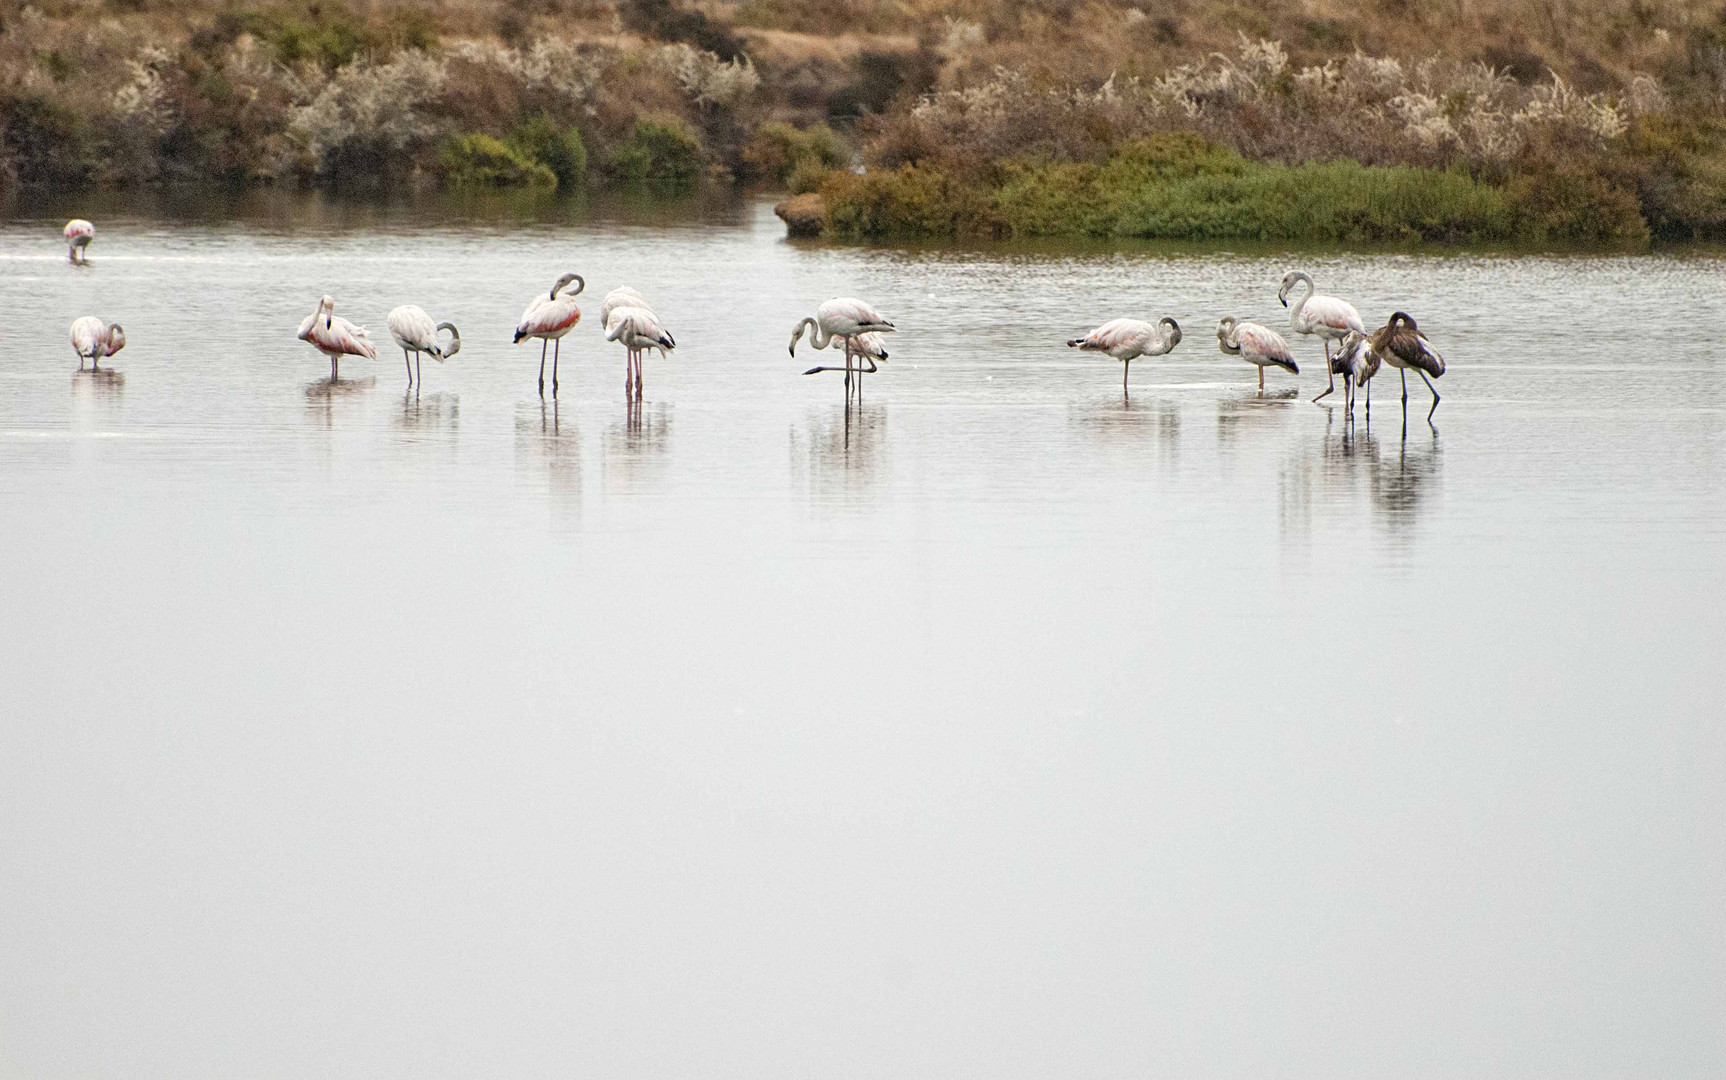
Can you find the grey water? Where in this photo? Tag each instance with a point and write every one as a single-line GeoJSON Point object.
{"type": "Point", "coordinates": [1005, 726]}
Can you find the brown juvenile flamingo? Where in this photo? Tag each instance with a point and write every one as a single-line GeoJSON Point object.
{"type": "Point", "coordinates": [1401, 344]}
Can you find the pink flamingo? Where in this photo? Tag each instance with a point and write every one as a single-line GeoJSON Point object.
{"type": "Point", "coordinates": [93, 339]}
{"type": "Point", "coordinates": [548, 318]}
{"type": "Point", "coordinates": [334, 336]}
{"type": "Point", "coordinates": [78, 234]}
{"type": "Point", "coordinates": [1128, 339]}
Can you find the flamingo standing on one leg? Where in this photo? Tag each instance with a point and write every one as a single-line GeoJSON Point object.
{"type": "Point", "coordinates": [1357, 362]}
{"type": "Point", "coordinates": [1325, 316]}
{"type": "Point", "coordinates": [843, 318]}
{"type": "Point", "coordinates": [1257, 345]}
{"type": "Point", "coordinates": [1128, 339]}
{"type": "Point", "coordinates": [1403, 346]}
{"type": "Point", "coordinates": [78, 234]}
{"type": "Point", "coordinates": [548, 318]}
{"type": "Point", "coordinates": [638, 329]}
{"type": "Point", "coordinates": [93, 339]}
{"type": "Point", "coordinates": [335, 336]}
{"type": "Point", "coordinates": [415, 332]}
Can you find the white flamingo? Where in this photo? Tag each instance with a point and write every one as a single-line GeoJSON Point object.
{"type": "Point", "coordinates": [335, 336]}
{"type": "Point", "coordinates": [1325, 316]}
{"type": "Point", "coordinates": [1357, 362]}
{"type": "Point", "coordinates": [622, 296]}
{"type": "Point", "coordinates": [843, 319]}
{"type": "Point", "coordinates": [94, 339]}
{"type": "Point", "coordinates": [78, 234]}
{"type": "Point", "coordinates": [639, 330]}
{"type": "Point", "coordinates": [1401, 344]}
{"type": "Point", "coordinates": [1128, 339]}
{"type": "Point", "coordinates": [549, 317]}
{"type": "Point", "coordinates": [1257, 345]}
{"type": "Point", "coordinates": [415, 332]}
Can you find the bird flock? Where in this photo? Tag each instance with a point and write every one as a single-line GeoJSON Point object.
{"type": "Point", "coordinates": [856, 328]}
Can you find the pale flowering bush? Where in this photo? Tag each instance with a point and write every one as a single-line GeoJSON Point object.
{"type": "Point", "coordinates": [379, 103]}
{"type": "Point", "coordinates": [1378, 110]}
{"type": "Point", "coordinates": [705, 78]}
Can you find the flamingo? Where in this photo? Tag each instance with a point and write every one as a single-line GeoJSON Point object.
{"type": "Point", "coordinates": [622, 296]}
{"type": "Point", "coordinates": [548, 318]}
{"type": "Point", "coordinates": [1357, 362]}
{"type": "Point", "coordinates": [78, 234]}
{"type": "Point", "coordinates": [1403, 346]}
{"type": "Point", "coordinates": [1326, 316]}
{"type": "Point", "coordinates": [639, 330]}
{"type": "Point", "coordinates": [1127, 339]}
{"type": "Point", "coordinates": [415, 332]}
{"type": "Point", "coordinates": [93, 339]}
{"type": "Point", "coordinates": [843, 318]}
{"type": "Point", "coordinates": [1257, 345]}
{"type": "Point", "coordinates": [335, 336]}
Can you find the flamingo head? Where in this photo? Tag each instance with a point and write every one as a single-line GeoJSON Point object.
{"type": "Point", "coordinates": [1174, 330]}
{"type": "Point", "coordinates": [1405, 320]}
{"type": "Point", "coordinates": [116, 339]}
{"type": "Point", "coordinates": [1227, 338]}
{"type": "Point", "coordinates": [326, 308]}
{"type": "Point", "coordinates": [565, 280]}
{"type": "Point", "coordinates": [444, 352]}
{"type": "Point", "coordinates": [1289, 281]}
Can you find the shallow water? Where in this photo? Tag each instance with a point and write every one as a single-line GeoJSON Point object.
{"type": "Point", "coordinates": [1005, 727]}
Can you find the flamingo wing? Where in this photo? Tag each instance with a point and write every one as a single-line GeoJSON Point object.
{"type": "Point", "coordinates": [622, 296]}
{"type": "Point", "coordinates": [89, 336]}
{"type": "Point", "coordinates": [872, 345]}
{"type": "Point", "coordinates": [77, 229]}
{"type": "Point", "coordinates": [337, 335]}
{"type": "Point", "coordinates": [849, 315]}
{"type": "Point", "coordinates": [1266, 344]}
{"type": "Point", "coordinates": [1115, 334]}
{"type": "Point", "coordinates": [548, 316]}
{"type": "Point", "coordinates": [412, 328]}
{"type": "Point", "coordinates": [1329, 314]}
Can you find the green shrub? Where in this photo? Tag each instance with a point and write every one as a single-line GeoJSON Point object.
{"type": "Point", "coordinates": [779, 150]}
{"type": "Point", "coordinates": [806, 177]}
{"type": "Point", "coordinates": [1574, 206]}
{"type": "Point", "coordinates": [329, 43]}
{"type": "Point", "coordinates": [661, 153]}
{"type": "Point", "coordinates": [480, 160]}
{"type": "Point", "coordinates": [1174, 187]}
{"type": "Point", "coordinates": [45, 142]}
{"type": "Point", "coordinates": [538, 138]}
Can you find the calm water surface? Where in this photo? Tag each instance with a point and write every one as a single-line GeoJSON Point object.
{"type": "Point", "coordinates": [1003, 728]}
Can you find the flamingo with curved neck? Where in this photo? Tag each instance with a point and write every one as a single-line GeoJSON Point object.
{"type": "Point", "coordinates": [1325, 317]}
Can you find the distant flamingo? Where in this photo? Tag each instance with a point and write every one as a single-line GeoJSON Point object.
{"type": "Point", "coordinates": [1257, 345]}
{"type": "Point", "coordinates": [93, 339]}
{"type": "Point", "coordinates": [78, 234]}
{"type": "Point", "coordinates": [335, 336]}
{"type": "Point", "coordinates": [548, 318]}
{"type": "Point", "coordinates": [842, 318]}
{"type": "Point", "coordinates": [638, 329]}
{"type": "Point", "coordinates": [1325, 316]}
{"type": "Point", "coordinates": [1128, 339]}
{"type": "Point", "coordinates": [1357, 362]}
{"type": "Point", "coordinates": [415, 332]}
{"type": "Point", "coordinates": [1403, 346]}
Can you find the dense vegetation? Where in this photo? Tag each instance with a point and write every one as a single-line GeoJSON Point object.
{"type": "Point", "coordinates": [1376, 120]}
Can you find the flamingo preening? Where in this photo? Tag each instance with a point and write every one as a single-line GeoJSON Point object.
{"type": "Point", "coordinates": [622, 296]}
{"type": "Point", "coordinates": [94, 339]}
{"type": "Point", "coordinates": [638, 329]}
{"type": "Point", "coordinates": [1324, 316]}
{"type": "Point", "coordinates": [1128, 339]}
{"type": "Point", "coordinates": [415, 332]}
{"type": "Point", "coordinates": [1357, 362]}
{"type": "Point", "coordinates": [1401, 345]}
{"type": "Point", "coordinates": [843, 319]}
{"type": "Point", "coordinates": [78, 234]}
{"type": "Point", "coordinates": [334, 336]}
{"type": "Point", "coordinates": [1257, 345]}
{"type": "Point", "coordinates": [548, 318]}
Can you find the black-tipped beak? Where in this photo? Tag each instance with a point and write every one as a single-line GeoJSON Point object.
{"type": "Point", "coordinates": [1283, 300]}
{"type": "Point", "coordinates": [792, 350]}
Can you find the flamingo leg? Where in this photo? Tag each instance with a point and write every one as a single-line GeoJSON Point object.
{"type": "Point", "coordinates": [335, 368]}
{"type": "Point", "coordinates": [1126, 366]}
{"type": "Point", "coordinates": [1329, 374]}
{"type": "Point", "coordinates": [556, 351]}
{"type": "Point", "coordinates": [640, 355]}
{"type": "Point", "coordinates": [419, 380]}
{"type": "Point", "coordinates": [1403, 374]}
{"type": "Point", "coordinates": [1434, 390]}
{"type": "Point", "coordinates": [1261, 378]}
{"type": "Point", "coordinates": [409, 364]}
{"type": "Point", "coordinates": [542, 344]}
{"type": "Point", "coordinates": [1369, 398]}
